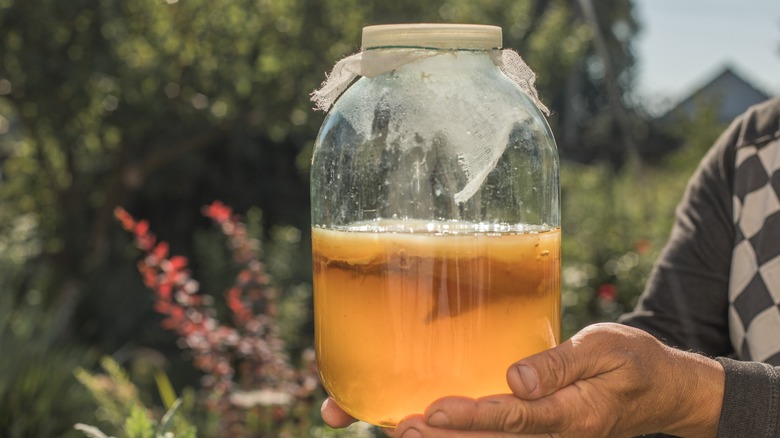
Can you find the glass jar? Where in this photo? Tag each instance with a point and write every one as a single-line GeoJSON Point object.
{"type": "Point", "coordinates": [435, 224]}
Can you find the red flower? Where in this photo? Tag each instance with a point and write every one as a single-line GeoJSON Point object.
{"type": "Point", "coordinates": [124, 218]}
{"type": "Point", "coordinates": [234, 303]}
{"type": "Point", "coordinates": [141, 228]}
{"type": "Point", "coordinates": [244, 277]}
{"type": "Point", "coordinates": [162, 306]}
{"type": "Point", "coordinates": [175, 264]}
{"type": "Point", "coordinates": [218, 211]}
{"type": "Point", "coordinates": [607, 292]}
{"type": "Point", "coordinates": [642, 246]}
{"type": "Point", "coordinates": [160, 251]}
{"type": "Point", "coordinates": [149, 275]}
{"type": "Point", "coordinates": [164, 291]}
{"type": "Point", "coordinates": [169, 324]}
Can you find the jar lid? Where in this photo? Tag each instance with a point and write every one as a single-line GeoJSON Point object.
{"type": "Point", "coordinates": [434, 36]}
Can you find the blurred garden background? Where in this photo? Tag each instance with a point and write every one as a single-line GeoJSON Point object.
{"type": "Point", "coordinates": [121, 119]}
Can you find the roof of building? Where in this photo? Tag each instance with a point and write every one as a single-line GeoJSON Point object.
{"type": "Point", "coordinates": [728, 89]}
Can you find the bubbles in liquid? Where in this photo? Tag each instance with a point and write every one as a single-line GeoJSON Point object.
{"type": "Point", "coordinates": [416, 226]}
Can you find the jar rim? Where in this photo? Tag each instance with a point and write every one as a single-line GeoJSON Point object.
{"type": "Point", "coordinates": [444, 36]}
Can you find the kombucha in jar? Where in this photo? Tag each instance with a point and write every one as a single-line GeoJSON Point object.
{"type": "Point", "coordinates": [403, 319]}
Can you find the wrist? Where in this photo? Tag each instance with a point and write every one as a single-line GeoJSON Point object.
{"type": "Point", "coordinates": [700, 383]}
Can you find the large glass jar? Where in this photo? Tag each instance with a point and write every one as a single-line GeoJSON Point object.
{"type": "Point", "coordinates": [435, 225]}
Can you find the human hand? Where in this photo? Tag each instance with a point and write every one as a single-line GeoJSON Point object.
{"type": "Point", "coordinates": [608, 380]}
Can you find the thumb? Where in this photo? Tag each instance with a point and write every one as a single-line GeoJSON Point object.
{"type": "Point", "coordinates": [544, 373]}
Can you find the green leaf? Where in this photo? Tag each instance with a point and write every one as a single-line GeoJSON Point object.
{"type": "Point", "coordinates": [167, 419]}
{"type": "Point", "coordinates": [165, 388]}
{"type": "Point", "coordinates": [138, 424]}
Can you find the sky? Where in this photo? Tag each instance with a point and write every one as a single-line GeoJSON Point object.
{"type": "Point", "coordinates": [685, 43]}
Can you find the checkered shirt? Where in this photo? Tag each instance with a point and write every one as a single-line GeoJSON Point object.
{"type": "Point", "coordinates": [754, 286]}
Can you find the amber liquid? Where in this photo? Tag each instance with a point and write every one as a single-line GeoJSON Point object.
{"type": "Point", "coordinates": [402, 319]}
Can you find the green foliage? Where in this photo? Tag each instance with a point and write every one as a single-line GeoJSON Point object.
{"type": "Point", "coordinates": [356, 430]}
{"type": "Point", "coordinates": [126, 415]}
{"type": "Point", "coordinates": [120, 406]}
{"type": "Point", "coordinates": [614, 224]}
{"type": "Point", "coordinates": [138, 425]}
{"type": "Point", "coordinates": [38, 394]}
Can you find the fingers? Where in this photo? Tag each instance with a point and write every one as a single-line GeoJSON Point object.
{"type": "Point", "coordinates": [583, 356]}
{"type": "Point", "coordinates": [416, 427]}
{"type": "Point", "coordinates": [489, 417]}
{"type": "Point", "coordinates": [334, 416]}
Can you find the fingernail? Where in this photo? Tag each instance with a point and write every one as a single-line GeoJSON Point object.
{"type": "Point", "coordinates": [411, 433]}
{"type": "Point", "coordinates": [438, 418]}
{"type": "Point", "coordinates": [529, 377]}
